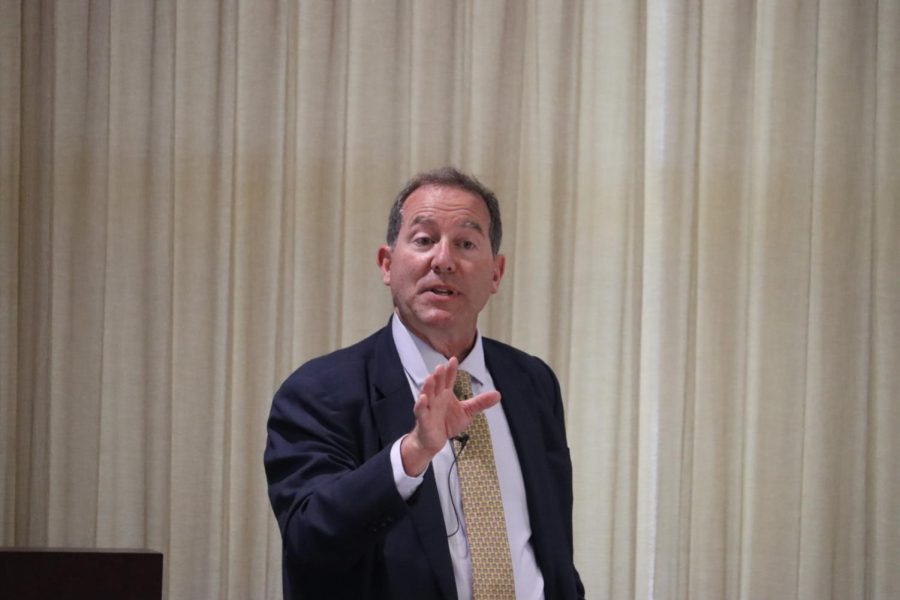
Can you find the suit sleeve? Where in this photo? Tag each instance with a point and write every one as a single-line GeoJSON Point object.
{"type": "Point", "coordinates": [330, 484]}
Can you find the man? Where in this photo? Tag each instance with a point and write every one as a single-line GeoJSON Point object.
{"type": "Point", "coordinates": [377, 488]}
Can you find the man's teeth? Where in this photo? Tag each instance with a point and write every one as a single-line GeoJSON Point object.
{"type": "Point", "coordinates": [443, 292]}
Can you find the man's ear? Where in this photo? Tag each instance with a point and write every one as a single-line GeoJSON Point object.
{"type": "Point", "coordinates": [499, 268]}
{"type": "Point", "coordinates": [384, 263]}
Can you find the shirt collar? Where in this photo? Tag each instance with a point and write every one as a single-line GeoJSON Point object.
{"type": "Point", "coordinates": [419, 359]}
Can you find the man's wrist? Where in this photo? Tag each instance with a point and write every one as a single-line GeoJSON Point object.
{"type": "Point", "coordinates": [414, 457]}
{"type": "Point", "coordinates": [406, 485]}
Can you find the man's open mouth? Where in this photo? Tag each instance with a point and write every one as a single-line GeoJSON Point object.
{"type": "Point", "coordinates": [442, 291]}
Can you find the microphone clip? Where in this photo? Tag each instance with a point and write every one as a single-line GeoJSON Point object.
{"type": "Point", "coordinates": [462, 439]}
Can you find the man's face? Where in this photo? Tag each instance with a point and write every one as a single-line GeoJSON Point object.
{"type": "Point", "coordinates": [441, 270]}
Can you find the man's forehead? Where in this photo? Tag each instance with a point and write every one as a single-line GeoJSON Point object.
{"type": "Point", "coordinates": [429, 204]}
{"type": "Point", "coordinates": [427, 219]}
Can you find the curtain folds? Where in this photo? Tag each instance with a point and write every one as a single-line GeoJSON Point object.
{"type": "Point", "coordinates": [701, 209]}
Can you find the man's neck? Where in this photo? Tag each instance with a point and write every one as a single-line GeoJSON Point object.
{"type": "Point", "coordinates": [445, 343]}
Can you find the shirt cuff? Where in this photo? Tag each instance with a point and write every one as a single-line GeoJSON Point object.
{"type": "Point", "coordinates": [406, 485]}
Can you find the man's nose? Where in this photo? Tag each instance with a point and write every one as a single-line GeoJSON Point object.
{"type": "Point", "coordinates": [443, 259]}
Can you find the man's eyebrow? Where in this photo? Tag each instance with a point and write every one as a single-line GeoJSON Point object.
{"type": "Point", "coordinates": [419, 220]}
{"type": "Point", "coordinates": [473, 225]}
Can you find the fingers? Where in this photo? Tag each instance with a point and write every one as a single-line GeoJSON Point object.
{"type": "Point", "coordinates": [421, 405]}
{"type": "Point", "coordinates": [444, 376]}
{"type": "Point", "coordinates": [481, 402]}
{"type": "Point", "coordinates": [428, 387]}
{"type": "Point", "coordinates": [436, 410]}
{"type": "Point", "coordinates": [441, 378]}
{"type": "Point", "coordinates": [440, 414]}
{"type": "Point", "coordinates": [450, 372]}
{"type": "Point", "coordinates": [437, 389]}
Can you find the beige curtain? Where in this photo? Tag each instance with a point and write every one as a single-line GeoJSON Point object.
{"type": "Point", "coordinates": [702, 210]}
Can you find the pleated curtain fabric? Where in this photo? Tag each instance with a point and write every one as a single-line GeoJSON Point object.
{"type": "Point", "coordinates": [701, 214]}
{"type": "Point", "coordinates": [482, 504]}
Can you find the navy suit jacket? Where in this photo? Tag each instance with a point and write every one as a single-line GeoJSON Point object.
{"type": "Point", "coordinates": [346, 531]}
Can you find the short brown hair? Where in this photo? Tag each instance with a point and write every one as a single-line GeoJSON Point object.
{"type": "Point", "coordinates": [447, 177]}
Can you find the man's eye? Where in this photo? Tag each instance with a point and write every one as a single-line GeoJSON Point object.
{"type": "Point", "coordinates": [422, 241]}
{"type": "Point", "coordinates": [467, 245]}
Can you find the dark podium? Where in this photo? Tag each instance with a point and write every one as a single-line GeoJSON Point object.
{"type": "Point", "coordinates": [80, 574]}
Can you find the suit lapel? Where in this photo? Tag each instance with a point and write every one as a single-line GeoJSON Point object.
{"type": "Point", "coordinates": [392, 401]}
{"type": "Point", "coordinates": [392, 408]}
{"type": "Point", "coordinates": [519, 406]}
{"type": "Point", "coordinates": [520, 410]}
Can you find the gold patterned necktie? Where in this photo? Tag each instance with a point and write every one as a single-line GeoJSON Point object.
{"type": "Point", "coordinates": [492, 574]}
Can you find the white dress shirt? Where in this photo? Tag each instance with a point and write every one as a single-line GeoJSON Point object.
{"type": "Point", "coordinates": [419, 360]}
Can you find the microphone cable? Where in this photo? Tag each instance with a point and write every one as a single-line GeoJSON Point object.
{"type": "Point", "coordinates": [463, 439]}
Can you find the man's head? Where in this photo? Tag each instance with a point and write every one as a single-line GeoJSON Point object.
{"type": "Point", "coordinates": [447, 177]}
{"type": "Point", "coordinates": [441, 259]}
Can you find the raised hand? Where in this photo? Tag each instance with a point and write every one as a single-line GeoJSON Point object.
{"type": "Point", "coordinates": [439, 417]}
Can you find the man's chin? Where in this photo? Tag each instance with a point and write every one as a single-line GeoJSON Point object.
{"type": "Point", "coordinates": [437, 319]}
{"type": "Point", "coordinates": [433, 319]}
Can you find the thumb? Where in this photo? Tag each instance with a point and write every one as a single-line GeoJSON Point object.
{"type": "Point", "coordinates": [481, 402]}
